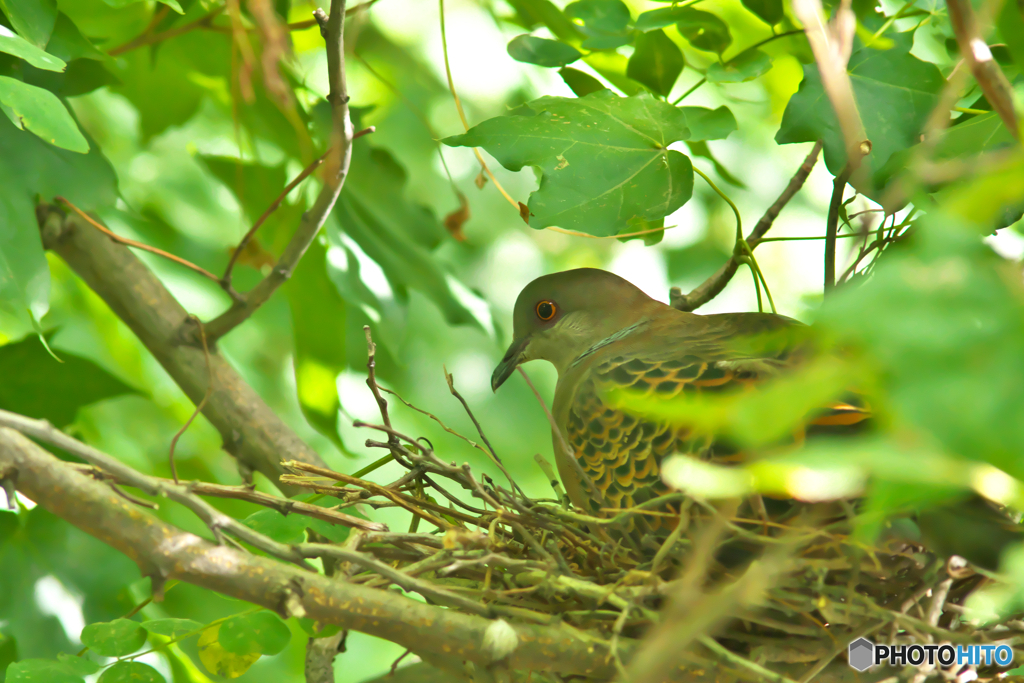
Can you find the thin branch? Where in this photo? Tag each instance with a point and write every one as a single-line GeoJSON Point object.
{"type": "Point", "coordinates": [713, 286]}
{"type": "Point", "coordinates": [285, 506]}
{"type": "Point", "coordinates": [250, 430]}
{"type": "Point", "coordinates": [199, 406]}
{"type": "Point", "coordinates": [132, 243]}
{"type": "Point", "coordinates": [216, 520]}
{"type": "Point", "coordinates": [986, 70]}
{"type": "Point", "coordinates": [147, 38]}
{"type": "Point", "coordinates": [335, 171]}
{"type": "Point", "coordinates": [225, 280]}
{"type": "Point", "coordinates": [832, 225]}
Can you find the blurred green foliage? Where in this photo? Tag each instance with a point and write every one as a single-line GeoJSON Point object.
{"type": "Point", "coordinates": [159, 119]}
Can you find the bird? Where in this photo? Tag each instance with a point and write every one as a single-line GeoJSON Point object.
{"type": "Point", "coordinates": [602, 333]}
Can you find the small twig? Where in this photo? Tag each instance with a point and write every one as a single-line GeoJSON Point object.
{"type": "Point", "coordinates": [336, 168]}
{"type": "Point", "coordinates": [479, 430]}
{"type": "Point", "coordinates": [225, 280]}
{"type": "Point", "coordinates": [132, 499]}
{"type": "Point", "coordinates": [713, 286]}
{"type": "Point", "coordinates": [832, 225]}
{"type": "Point", "coordinates": [132, 243]}
{"type": "Point", "coordinates": [147, 38]}
{"type": "Point", "coordinates": [394, 664]}
{"type": "Point", "coordinates": [199, 406]}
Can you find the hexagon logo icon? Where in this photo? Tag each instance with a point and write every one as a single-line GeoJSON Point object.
{"type": "Point", "coordinates": [861, 654]}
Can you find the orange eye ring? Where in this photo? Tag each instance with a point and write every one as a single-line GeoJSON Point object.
{"type": "Point", "coordinates": [546, 310]}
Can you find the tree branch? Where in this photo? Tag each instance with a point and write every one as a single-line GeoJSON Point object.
{"type": "Point", "coordinates": [832, 225]}
{"type": "Point", "coordinates": [713, 286]}
{"type": "Point", "coordinates": [335, 171]}
{"type": "Point", "coordinates": [251, 431]}
{"type": "Point", "coordinates": [164, 552]}
{"type": "Point", "coordinates": [986, 70]}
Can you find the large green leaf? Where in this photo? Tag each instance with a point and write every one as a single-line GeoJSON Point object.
{"type": "Point", "coordinates": [32, 19]}
{"type": "Point", "coordinates": [709, 124]}
{"type": "Point", "coordinates": [746, 66]}
{"type": "Point", "coordinates": [895, 92]}
{"type": "Point", "coordinates": [660, 18]}
{"type": "Point", "coordinates": [19, 47]}
{"type": "Point", "coordinates": [770, 11]}
{"type": "Point", "coordinates": [31, 167]}
{"type": "Point", "coordinates": [579, 82]}
{"type": "Point", "coordinates": [604, 158]}
{"type": "Point", "coordinates": [115, 638]}
{"type": "Point", "coordinates": [318, 329]}
{"type": "Point", "coordinates": [656, 62]}
{"type": "Point", "coordinates": [41, 112]}
{"type": "Point", "coordinates": [542, 51]}
{"type": "Point", "coordinates": [258, 633]}
{"type": "Point", "coordinates": [606, 16]}
{"type": "Point", "coordinates": [36, 385]}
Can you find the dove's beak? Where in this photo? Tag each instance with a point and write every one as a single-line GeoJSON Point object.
{"type": "Point", "coordinates": [513, 357]}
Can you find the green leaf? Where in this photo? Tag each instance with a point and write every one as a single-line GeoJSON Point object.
{"type": "Point", "coordinates": [579, 82]}
{"type": "Point", "coordinates": [19, 47]}
{"type": "Point", "coordinates": [8, 651]}
{"type": "Point", "coordinates": [39, 111]}
{"type": "Point", "coordinates": [115, 638]}
{"type": "Point", "coordinates": [769, 11]}
{"type": "Point", "coordinates": [30, 167]}
{"type": "Point", "coordinates": [219, 661]}
{"type": "Point", "coordinates": [605, 16]}
{"type": "Point", "coordinates": [315, 629]}
{"type": "Point", "coordinates": [660, 18]}
{"type": "Point", "coordinates": [131, 672]}
{"type": "Point", "coordinates": [746, 66]}
{"type": "Point", "coordinates": [41, 671]}
{"type": "Point", "coordinates": [81, 666]}
{"type": "Point", "coordinates": [609, 42]}
{"type": "Point", "coordinates": [68, 43]}
{"type": "Point", "coordinates": [541, 51]}
{"type": "Point", "coordinates": [32, 19]}
{"type": "Point", "coordinates": [318, 330]}
{"type": "Point", "coordinates": [656, 62]}
{"type": "Point", "coordinates": [9, 524]}
{"type": "Point", "coordinates": [170, 627]}
{"type": "Point", "coordinates": [895, 93]}
{"type": "Point", "coordinates": [1011, 28]}
{"type": "Point", "coordinates": [38, 386]}
{"type": "Point", "coordinates": [288, 529]}
{"type": "Point", "coordinates": [709, 124]}
{"type": "Point", "coordinates": [603, 158]}
{"type": "Point", "coordinates": [704, 30]}
{"type": "Point", "coordinates": [260, 633]}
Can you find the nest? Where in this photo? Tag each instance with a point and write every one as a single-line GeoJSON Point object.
{"type": "Point", "coordinates": [758, 597]}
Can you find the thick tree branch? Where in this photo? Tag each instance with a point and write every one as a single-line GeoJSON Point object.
{"type": "Point", "coordinates": [216, 520]}
{"type": "Point", "coordinates": [164, 552]}
{"type": "Point", "coordinates": [335, 170]}
{"type": "Point", "coordinates": [986, 70]}
{"type": "Point", "coordinates": [714, 285]}
{"type": "Point", "coordinates": [251, 431]}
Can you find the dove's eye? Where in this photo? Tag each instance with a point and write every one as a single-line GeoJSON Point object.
{"type": "Point", "coordinates": [546, 310]}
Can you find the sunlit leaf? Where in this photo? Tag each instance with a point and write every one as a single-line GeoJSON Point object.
{"type": "Point", "coordinates": [660, 18]}
{"type": "Point", "coordinates": [219, 661]}
{"type": "Point", "coordinates": [32, 19]}
{"type": "Point", "coordinates": [261, 633]}
{"type": "Point", "coordinates": [542, 51]}
{"type": "Point", "coordinates": [39, 111]}
{"type": "Point", "coordinates": [606, 16]}
{"type": "Point", "coordinates": [19, 47]}
{"type": "Point", "coordinates": [41, 671]}
{"type": "Point", "coordinates": [603, 158]}
{"type": "Point", "coordinates": [170, 627]}
{"type": "Point", "coordinates": [115, 638]}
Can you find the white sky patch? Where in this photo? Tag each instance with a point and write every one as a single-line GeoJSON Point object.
{"type": "Point", "coordinates": [1007, 243]}
{"type": "Point", "coordinates": [642, 266]}
{"type": "Point", "coordinates": [996, 485]}
{"type": "Point", "coordinates": [370, 271]}
{"type": "Point", "coordinates": [356, 398]}
{"type": "Point", "coordinates": [514, 261]}
{"type": "Point", "coordinates": [337, 257]}
{"type": "Point", "coordinates": [477, 306]}
{"type": "Point", "coordinates": [54, 599]}
{"type": "Point", "coordinates": [27, 502]}
{"type": "Point", "coordinates": [472, 374]}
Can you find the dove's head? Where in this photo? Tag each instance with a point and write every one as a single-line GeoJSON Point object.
{"type": "Point", "coordinates": [560, 316]}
